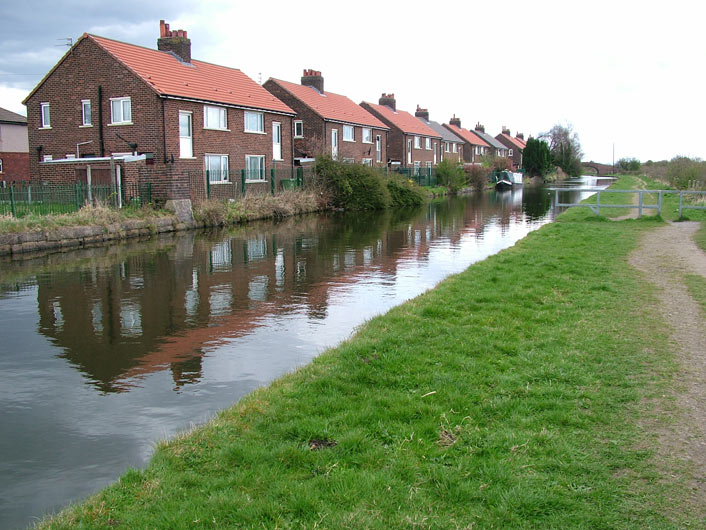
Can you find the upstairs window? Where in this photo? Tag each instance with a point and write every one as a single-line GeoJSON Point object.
{"type": "Point", "coordinates": [348, 133]}
{"type": "Point", "coordinates": [215, 118]}
{"type": "Point", "coordinates": [120, 111]}
{"type": "Point", "coordinates": [417, 142]}
{"type": "Point", "coordinates": [254, 122]}
{"type": "Point", "coordinates": [427, 143]}
{"type": "Point", "coordinates": [446, 146]}
{"type": "Point", "coordinates": [0, 165]}
{"type": "Point", "coordinates": [510, 152]}
{"type": "Point", "coordinates": [367, 135]}
{"type": "Point", "coordinates": [455, 147]}
{"type": "Point", "coordinates": [299, 129]}
{"type": "Point", "coordinates": [46, 121]}
{"type": "Point", "coordinates": [86, 112]}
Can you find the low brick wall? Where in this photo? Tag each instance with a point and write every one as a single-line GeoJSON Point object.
{"type": "Point", "coordinates": [84, 236]}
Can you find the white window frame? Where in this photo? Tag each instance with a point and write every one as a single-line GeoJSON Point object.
{"type": "Point", "coordinates": [121, 101]}
{"type": "Point", "coordinates": [261, 120]}
{"type": "Point", "coordinates": [367, 161]}
{"type": "Point", "coordinates": [222, 118]}
{"type": "Point", "coordinates": [417, 168]}
{"type": "Point", "coordinates": [417, 142]}
{"type": "Point", "coordinates": [48, 158]}
{"type": "Point", "coordinates": [0, 165]}
{"type": "Point", "coordinates": [223, 160]}
{"type": "Point", "coordinates": [478, 150]}
{"type": "Point", "coordinates": [300, 125]}
{"type": "Point", "coordinates": [348, 133]}
{"type": "Point", "coordinates": [367, 133]}
{"type": "Point", "coordinates": [276, 125]}
{"type": "Point", "coordinates": [248, 171]}
{"type": "Point", "coordinates": [454, 146]}
{"type": "Point", "coordinates": [86, 104]}
{"type": "Point", "coordinates": [45, 115]}
{"type": "Point", "coordinates": [447, 148]}
{"type": "Point", "coordinates": [182, 139]}
{"type": "Point", "coordinates": [509, 153]}
{"type": "Point", "coordinates": [427, 144]}
{"type": "Point", "coordinates": [378, 148]}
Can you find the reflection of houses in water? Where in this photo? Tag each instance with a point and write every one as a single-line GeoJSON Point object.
{"type": "Point", "coordinates": [157, 310]}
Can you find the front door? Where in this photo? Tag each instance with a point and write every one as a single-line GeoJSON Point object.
{"type": "Point", "coordinates": [334, 144]}
{"type": "Point", "coordinates": [276, 140]}
{"type": "Point", "coordinates": [186, 144]}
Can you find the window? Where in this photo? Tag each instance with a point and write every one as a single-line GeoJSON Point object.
{"type": "Point", "coordinates": [0, 165]}
{"type": "Point", "coordinates": [349, 160]}
{"type": "Point", "coordinates": [299, 129]}
{"type": "Point", "coordinates": [120, 111]}
{"type": "Point", "coordinates": [348, 133]}
{"type": "Point", "coordinates": [510, 152]}
{"type": "Point", "coordinates": [428, 164]}
{"type": "Point", "coordinates": [46, 121]}
{"type": "Point", "coordinates": [446, 147]}
{"type": "Point", "coordinates": [367, 135]}
{"type": "Point", "coordinates": [417, 168]}
{"type": "Point", "coordinates": [217, 167]}
{"type": "Point", "coordinates": [86, 112]}
{"type": "Point", "coordinates": [378, 148]}
{"type": "Point", "coordinates": [455, 147]}
{"type": "Point", "coordinates": [186, 146]}
{"type": "Point", "coordinates": [367, 161]}
{"type": "Point", "coordinates": [478, 150]}
{"type": "Point", "coordinates": [254, 167]}
{"type": "Point", "coordinates": [48, 158]}
{"type": "Point", "coordinates": [427, 142]}
{"type": "Point", "coordinates": [417, 142]}
{"type": "Point", "coordinates": [254, 122]}
{"type": "Point", "coordinates": [215, 118]}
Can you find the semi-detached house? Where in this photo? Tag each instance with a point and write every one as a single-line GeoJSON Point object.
{"type": "Point", "coordinates": [410, 142]}
{"type": "Point", "coordinates": [515, 146]}
{"type": "Point", "coordinates": [106, 98]}
{"type": "Point", "coordinates": [329, 123]}
{"type": "Point", "coordinates": [476, 147]}
{"type": "Point", "coordinates": [451, 147]}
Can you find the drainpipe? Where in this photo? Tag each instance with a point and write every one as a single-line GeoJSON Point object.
{"type": "Point", "coordinates": [164, 131]}
{"type": "Point", "coordinates": [100, 121]}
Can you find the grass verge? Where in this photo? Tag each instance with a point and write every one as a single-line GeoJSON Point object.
{"type": "Point", "coordinates": [511, 396]}
{"type": "Point", "coordinates": [697, 288]}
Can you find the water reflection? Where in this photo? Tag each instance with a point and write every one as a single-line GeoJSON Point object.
{"type": "Point", "coordinates": [106, 350]}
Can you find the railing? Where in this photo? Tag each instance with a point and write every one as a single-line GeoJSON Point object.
{"type": "Point", "coordinates": [423, 176]}
{"type": "Point", "coordinates": [596, 208]}
{"type": "Point", "coordinates": [19, 200]}
{"type": "Point", "coordinates": [234, 184]}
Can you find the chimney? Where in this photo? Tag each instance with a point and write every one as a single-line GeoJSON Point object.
{"type": "Point", "coordinates": [174, 41]}
{"type": "Point", "coordinates": [388, 100]}
{"type": "Point", "coordinates": [422, 113]}
{"type": "Point", "coordinates": [455, 121]}
{"type": "Point", "coordinates": [480, 127]}
{"type": "Point", "coordinates": [506, 131]}
{"type": "Point", "coordinates": [313, 79]}
{"type": "Point", "coordinates": [520, 135]}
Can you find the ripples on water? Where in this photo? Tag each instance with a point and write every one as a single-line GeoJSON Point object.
{"type": "Point", "coordinates": [105, 351]}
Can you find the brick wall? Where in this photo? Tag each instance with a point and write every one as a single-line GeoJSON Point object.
{"type": "Point", "coordinates": [15, 166]}
{"type": "Point", "coordinates": [516, 153]}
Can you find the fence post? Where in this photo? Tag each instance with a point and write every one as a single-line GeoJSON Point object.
{"type": "Point", "coordinates": [272, 180]}
{"type": "Point", "coordinates": [208, 183]}
{"type": "Point", "coordinates": [598, 203]}
{"type": "Point", "coordinates": [300, 177]}
{"type": "Point", "coordinates": [76, 199]}
{"type": "Point", "coordinates": [639, 212]}
{"type": "Point", "coordinates": [12, 200]}
{"type": "Point", "coordinates": [242, 181]}
{"type": "Point", "coordinates": [659, 203]}
{"type": "Point", "coordinates": [680, 203]}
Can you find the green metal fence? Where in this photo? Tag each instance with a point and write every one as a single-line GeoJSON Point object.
{"type": "Point", "coordinates": [19, 200]}
{"type": "Point", "coordinates": [234, 184]}
{"type": "Point", "coordinates": [423, 176]}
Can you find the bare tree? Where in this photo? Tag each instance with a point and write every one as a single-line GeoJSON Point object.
{"type": "Point", "coordinates": [565, 148]}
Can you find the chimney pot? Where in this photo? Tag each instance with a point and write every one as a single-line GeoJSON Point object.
{"type": "Point", "coordinates": [455, 121]}
{"type": "Point", "coordinates": [174, 41]}
{"type": "Point", "coordinates": [313, 78]}
{"type": "Point", "coordinates": [389, 101]}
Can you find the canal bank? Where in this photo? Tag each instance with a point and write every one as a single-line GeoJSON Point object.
{"type": "Point", "coordinates": [515, 394]}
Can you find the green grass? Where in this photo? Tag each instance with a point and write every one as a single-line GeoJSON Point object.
{"type": "Point", "coordinates": [697, 288]}
{"type": "Point", "coordinates": [511, 396]}
{"type": "Point", "coordinates": [700, 236]}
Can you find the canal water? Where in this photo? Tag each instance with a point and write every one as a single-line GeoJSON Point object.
{"type": "Point", "coordinates": [105, 351]}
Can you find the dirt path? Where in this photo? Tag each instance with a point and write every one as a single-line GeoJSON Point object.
{"type": "Point", "coordinates": [665, 256]}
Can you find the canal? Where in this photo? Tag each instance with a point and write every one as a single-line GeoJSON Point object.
{"type": "Point", "coordinates": [105, 351]}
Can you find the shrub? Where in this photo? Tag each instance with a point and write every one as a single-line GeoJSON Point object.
{"type": "Point", "coordinates": [404, 192]}
{"type": "Point", "coordinates": [502, 163]}
{"type": "Point", "coordinates": [451, 175]}
{"type": "Point", "coordinates": [353, 186]}
{"type": "Point", "coordinates": [477, 176]}
{"type": "Point", "coordinates": [683, 171]}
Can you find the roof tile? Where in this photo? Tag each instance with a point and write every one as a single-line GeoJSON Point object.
{"type": "Point", "coordinates": [404, 121]}
{"type": "Point", "coordinates": [469, 136]}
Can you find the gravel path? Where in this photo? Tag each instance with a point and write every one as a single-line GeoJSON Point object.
{"type": "Point", "coordinates": [665, 256]}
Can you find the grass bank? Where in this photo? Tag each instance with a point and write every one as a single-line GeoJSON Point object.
{"type": "Point", "coordinates": [514, 395]}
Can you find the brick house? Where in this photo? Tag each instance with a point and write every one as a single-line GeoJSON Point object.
{"type": "Point", "coordinates": [409, 141]}
{"type": "Point", "coordinates": [328, 123]}
{"type": "Point", "coordinates": [107, 98]}
{"type": "Point", "coordinates": [498, 149]}
{"type": "Point", "coordinates": [515, 146]}
{"type": "Point", "coordinates": [475, 146]}
{"type": "Point", "coordinates": [14, 147]}
{"type": "Point", "coordinates": [451, 146]}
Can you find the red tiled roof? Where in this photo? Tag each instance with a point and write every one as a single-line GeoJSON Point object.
{"type": "Point", "coordinates": [514, 141]}
{"type": "Point", "coordinates": [202, 81]}
{"type": "Point", "coordinates": [404, 121]}
{"type": "Point", "coordinates": [522, 142]}
{"type": "Point", "coordinates": [331, 106]}
{"type": "Point", "coordinates": [469, 136]}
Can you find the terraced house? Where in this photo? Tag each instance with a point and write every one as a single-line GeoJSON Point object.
{"type": "Point", "coordinates": [328, 123]}
{"type": "Point", "coordinates": [410, 142]}
{"type": "Point", "coordinates": [515, 145]}
{"type": "Point", "coordinates": [156, 108]}
{"type": "Point", "coordinates": [451, 146]}
{"type": "Point", "coordinates": [475, 146]}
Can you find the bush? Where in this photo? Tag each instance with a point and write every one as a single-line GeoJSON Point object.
{"type": "Point", "coordinates": [628, 164]}
{"type": "Point", "coordinates": [451, 175]}
{"type": "Point", "coordinates": [477, 176]}
{"type": "Point", "coordinates": [683, 172]}
{"type": "Point", "coordinates": [404, 192]}
{"type": "Point", "coordinates": [353, 186]}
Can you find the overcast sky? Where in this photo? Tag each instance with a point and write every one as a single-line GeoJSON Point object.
{"type": "Point", "coordinates": [623, 73]}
